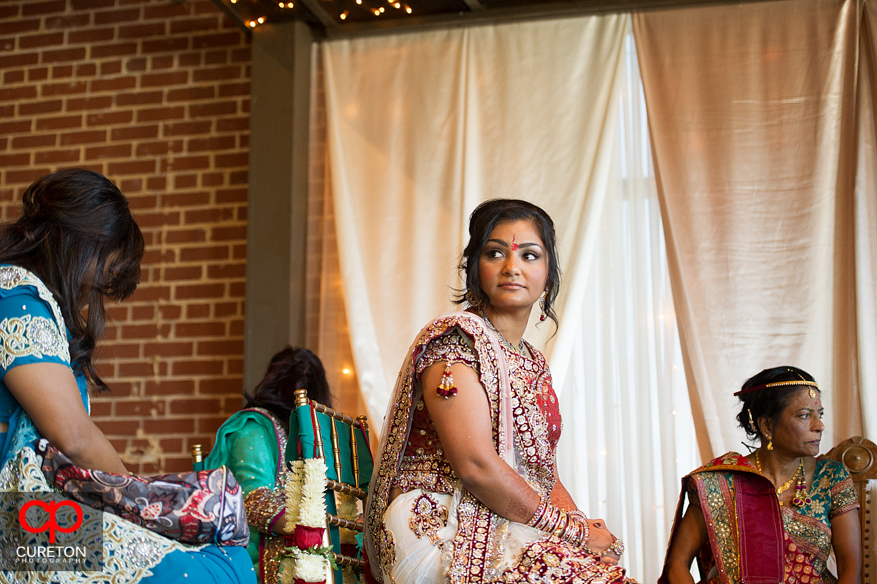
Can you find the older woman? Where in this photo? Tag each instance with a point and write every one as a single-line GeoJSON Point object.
{"type": "Point", "coordinates": [466, 488]}
{"type": "Point", "coordinates": [776, 514]}
{"type": "Point", "coordinates": [75, 246]}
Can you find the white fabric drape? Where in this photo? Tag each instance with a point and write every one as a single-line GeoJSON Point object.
{"type": "Point", "coordinates": [623, 458]}
{"type": "Point", "coordinates": [751, 113]}
{"type": "Point", "coordinates": [423, 127]}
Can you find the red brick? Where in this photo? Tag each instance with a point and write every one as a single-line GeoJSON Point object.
{"type": "Point", "coordinates": [92, 4]}
{"type": "Point", "coordinates": [86, 70]}
{"type": "Point", "coordinates": [223, 39]}
{"type": "Point", "coordinates": [241, 55]}
{"type": "Point", "coordinates": [67, 21]}
{"type": "Point", "coordinates": [167, 10]}
{"type": "Point", "coordinates": [217, 74]}
{"type": "Point", "coordinates": [194, 24]}
{"type": "Point", "coordinates": [34, 141]}
{"type": "Point", "coordinates": [144, 331]}
{"type": "Point", "coordinates": [171, 312]}
{"type": "Point", "coordinates": [136, 64]}
{"type": "Point", "coordinates": [169, 426]}
{"type": "Point", "coordinates": [113, 50]}
{"type": "Point", "coordinates": [117, 428]}
{"type": "Point", "coordinates": [191, 93]}
{"type": "Point", "coordinates": [89, 103]}
{"type": "Point", "coordinates": [9, 11]}
{"type": "Point", "coordinates": [185, 181]}
{"type": "Point", "coordinates": [86, 137]}
{"type": "Point", "coordinates": [139, 31]}
{"type": "Point", "coordinates": [211, 144]}
{"type": "Point", "coordinates": [235, 366]}
{"type": "Point", "coordinates": [236, 327]}
{"type": "Point", "coordinates": [120, 351]}
{"type": "Point", "coordinates": [140, 408]}
{"type": "Point", "coordinates": [226, 309]}
{"type": "Point", "coordinates": [189, 59]}
{"type": "Point", "coordinates": [232, 348]}
{"type": "Point", "coordinates": [195, 311]}
{"type": "Point", "coordinates": [142, 369]}
{"type": "Point", "coordinates": [40, 40]}
{"type": "Point", "coordinates": [195, 406]}
{"type": "Point", "coordinates": [15, 127]}
{"type": "Point", "coordinates": [111, 68]}
{"type": "Point", "coordinates": [187, 199]}
{"type": "Point", "coordinates": [219, 386]}
{"type": "Point", "coordinates": [168, 45]}
{"type": "Point", "coordinates": [132, 167]}
{"type": "Point", "coordinates": [192, 292]}
{"type": "Point", "coordinates": [56, 156]}
{"type": "Point", "coordinates": [26, 176]}
{"type": "Point", "coordinates": [200, 329]}
{"type": "Point", "coordinates": [216, 272]}
{"type": "Point", "coordinates": [212, 179]}
{"type": "Point", "coordinates": [19, 159]}
{"type": "Point", "coordinates": [170, 387]}
{"type": "Point", "coordinates": [143, 98]}
{"type": "Point", "coordinates": [109, 118]}
{"type": "Point", "coordinates": [165, 62]}
{"type": "Point", "coordinates": [101, 409]}
{"type": "Point", "coordinates": [18, 59]}
{"type": "Point", "coordinates": [231, 196]}
{"type": "Point", "coordinates": [169, 349]}
{"type": "Point", "coordinates": [62, 72]}
{"type": "Point", "coordinates": [212, 215]}
{"type": "Point", "coordinates": [186, 163]}
{"type": "Point", "coordinates": [113, 16]}
{"type": "Point", "coordinates": [234, 89]}
{"type": "Point", "coordinates": [221, 108]}
{"type": "Point", "coordinates": [90, 36]}
{"type": "Point", "coordinates": [182, 273]}
{"type": "Point", "coordinates": [59, 123]}
{"type": "Point", "coordinates": [185, 368]}
{"type": "Point", "coordinates": [134, 133]}
{"type": "Point", "coordinates": [231, 160]}
{"type": "Point", "coordinates": [157, 219]}
{"type": "Point", "coordinates": [114, 151]}
{"type": "Point", "coordinates": [113, 84]}
{"type": "Point", "coordinates": [40, 107]}
{"type": "Point", "coordinates": [63, 55]}
{"type": "Point", "coordinates": [239, 251]}
{"type": "Point", "coordinates": [156, 183]}
{"type": "Point", "coordinates": [187, 128]}
{"type": "Point", "coordinates": [185, 236]}
{"type": "Point", "coordinates": [17, 93]}
{"type": "Point", "coordinates": [164, 79]}
{"type": "Point", "coordinates": [35, 8]}
{"type": "Point", "coordinates": [240, 177]}
{"type": "Point", "coordinates": [70, 88]}
{"type": "Point", "coordinates": [216, 57]}
{"type": "Point", "coordinates": [16, 26]}
{"type": "Point", "coordinates": [131, 185]}
{"type": "Point", "coordinates": [160, 114]}
{"type": "Point", "coordinates": [158, 148]}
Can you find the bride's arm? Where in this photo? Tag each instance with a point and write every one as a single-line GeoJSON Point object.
{"type": "Point", "coordinates": [463, 423]}
{"type": "Point", "coordinates": [560, 496]}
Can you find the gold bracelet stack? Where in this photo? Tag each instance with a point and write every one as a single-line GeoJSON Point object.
{"type": "Point", "coordinates": [571, 527]}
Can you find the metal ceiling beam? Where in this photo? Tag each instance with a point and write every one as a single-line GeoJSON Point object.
{"type": "Point", "coordinates": [326, 19]}
{"type": "Point", "coordinates": [233, 16]}
{"type": "Point", "coordinates": [542, 10]}
{"type": "Point", "coordinates": [475, 5]}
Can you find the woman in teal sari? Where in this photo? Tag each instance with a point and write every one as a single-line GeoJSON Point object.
{"type": "Point", "coordinates": [75, 245]}
{"type": "Point", "coordinates": [252, 443]}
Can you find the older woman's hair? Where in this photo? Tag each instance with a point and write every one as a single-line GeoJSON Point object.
{"type": "Point", "coordinates": [482, 222]}
{"type": "Point", "coordinates": [77, 234]}
{"type": "Point", "coordinates": [768, 402]}
{"type": "Point", "coordinates": [290, 369]}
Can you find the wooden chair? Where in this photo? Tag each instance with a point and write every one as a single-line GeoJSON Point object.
{"type": "Point", "coordinates": [343, 442]}
{"type": "Point", "coordinates": [859, 455]}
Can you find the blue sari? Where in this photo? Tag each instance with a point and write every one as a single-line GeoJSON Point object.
{"type": "Point", "coordinates": [32, 330]}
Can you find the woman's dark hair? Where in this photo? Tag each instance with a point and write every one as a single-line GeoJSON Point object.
{"type": "Point", "coordinates": [769, 402]}
{"type": "Point", "coordinates": [290, 369]}
{"type": "Point", "coordinates": [77, 235]}
{"type": "Point", "coordinates": [482, 222]}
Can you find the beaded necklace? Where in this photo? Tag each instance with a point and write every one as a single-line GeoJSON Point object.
{"type": "Point", "coordinates": [801, 497]}
{"type": "Point", "coordinates": [517, 349]}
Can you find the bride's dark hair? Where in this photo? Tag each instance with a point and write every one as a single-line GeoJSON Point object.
{"type": "Point", "coordinates": [482, 222]}
{"type": "Point", "coordinates": [76, 233]}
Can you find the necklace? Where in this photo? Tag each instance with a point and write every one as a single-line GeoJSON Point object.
{"type": "Point", "coordinates": [800, 497]}
{"type": "Point", "coordinates": [519, 349]}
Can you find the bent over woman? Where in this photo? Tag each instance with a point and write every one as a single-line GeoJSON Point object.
{"type": "Point", "coordinates": [75, 245]}
{"type": "Point", "coordinates": [466, 488]}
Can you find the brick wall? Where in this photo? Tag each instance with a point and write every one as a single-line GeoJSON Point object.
{"type": "Point", "coordinates": [154, 94]}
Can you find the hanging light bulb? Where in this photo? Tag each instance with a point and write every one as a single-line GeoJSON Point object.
{"type": "Point", "coordinates": [343, 15]}
{"type": "Point", "coordinates": [407, 9]}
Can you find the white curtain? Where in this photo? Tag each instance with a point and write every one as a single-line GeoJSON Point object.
{"type": "Point", "coordinates": [632, 437]}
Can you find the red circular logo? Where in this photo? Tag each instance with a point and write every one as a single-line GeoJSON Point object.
{"type": "Point", "coordinates": [51, 509]}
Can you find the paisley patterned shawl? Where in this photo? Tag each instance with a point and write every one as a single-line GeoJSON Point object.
{"type": "Point", "coordinates": [494, 379]}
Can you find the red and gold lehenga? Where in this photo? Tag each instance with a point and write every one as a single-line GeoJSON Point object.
{"type": "Point", "coordinates": [438, 532]}
{"type": "Point", "coordinates": [751, 537]}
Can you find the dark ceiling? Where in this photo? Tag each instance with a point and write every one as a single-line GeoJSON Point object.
{"type": "Point", "coordinates": [340, 18]}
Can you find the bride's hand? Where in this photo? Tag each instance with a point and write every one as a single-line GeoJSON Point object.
{"type": "Point", "coordinates": [600, 539]}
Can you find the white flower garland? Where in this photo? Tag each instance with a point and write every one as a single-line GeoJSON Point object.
{"type": "Point", "coordinates": [306, 506]}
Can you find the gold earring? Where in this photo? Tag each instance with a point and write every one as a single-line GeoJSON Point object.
{"type": "Point", "coordinates": [769, 443]}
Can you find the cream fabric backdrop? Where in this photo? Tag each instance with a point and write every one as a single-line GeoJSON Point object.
{"type": "Point", "coordinates": [423, 127]}
{"type": "Point", "coordinates": [751, 112]}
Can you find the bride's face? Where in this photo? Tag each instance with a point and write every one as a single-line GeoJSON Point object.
{"type": "Point", "coordinates": [513, 267]}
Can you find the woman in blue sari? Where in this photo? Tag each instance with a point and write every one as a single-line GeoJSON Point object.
{"type": "Point", "coordinates": [76, 244]}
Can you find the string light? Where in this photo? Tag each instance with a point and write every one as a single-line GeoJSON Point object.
{"type": "Point", "coordinates": [397, 5]}
{"type": "Point", "coordinates": [252, 24]}
{"type": "Point", "coordinates": [346, 371]}
{"type": "Point", "coordinates": [343, 15]}
{"type": "Point", "coordinates": [261, 19]}
{"type": "Point", "coordinates": [407, 9]}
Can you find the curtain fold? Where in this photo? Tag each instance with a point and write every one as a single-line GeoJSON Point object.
{"type": "Point", "coordinates": [752, 120]}
{"type": "Point", "coordinates": [423, 127]}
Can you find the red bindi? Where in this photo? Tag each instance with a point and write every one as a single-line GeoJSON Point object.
{"type": "Point", "coordinates": [514, 245]}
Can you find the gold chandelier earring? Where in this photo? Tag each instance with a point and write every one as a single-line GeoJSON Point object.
{"type": "Point", "coordinates": [769, 443]}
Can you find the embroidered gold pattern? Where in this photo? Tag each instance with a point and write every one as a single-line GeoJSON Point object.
{"type": "Point", "coordinates": [30, 335]}
{"type": "Point", "coordinates": [428, 517]}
